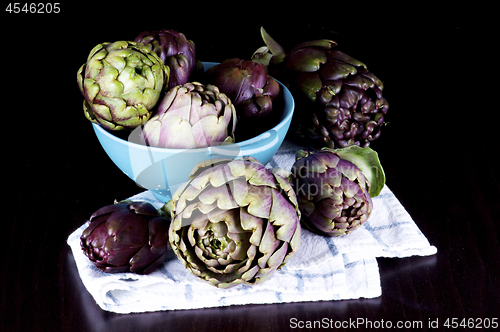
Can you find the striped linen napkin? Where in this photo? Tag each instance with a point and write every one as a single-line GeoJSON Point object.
{"type": "Point", "coordinates": [324, 268]}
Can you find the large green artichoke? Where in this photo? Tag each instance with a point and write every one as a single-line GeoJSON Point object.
{"type": "Point", "coordinates": [126, 237]}
{"type": "Point", "coordinates": [339, 102]}
{"type": "Point", "coordinates": [175, 50]}
{"type": "Point", "coordinates": [234, 222]}
{"type": "Point", "coordinates": [121, 83]}
{"type": "Point", "coordinates": [334, 194]}
{"type": "Point", "coordinates": [190, 116]}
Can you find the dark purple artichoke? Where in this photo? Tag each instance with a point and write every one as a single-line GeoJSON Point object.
{"type": "Point", "coordinates": [126, 237]}
{"type": "Point", "coordinates": [339, 102]}
{"type": "Point", "coordinates": [176, 51]}
{"type": "Point", "coordinates": [251, 90]}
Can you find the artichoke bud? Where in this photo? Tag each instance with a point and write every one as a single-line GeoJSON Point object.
{"type": "Point", "coordinates": [334, 188]}
{"type": "Point", "coordinates": [190, 116]}
{"type": "Point", "coordinates": [234, 222]}
{"type": "Point", "coordinates": [121, 83]}
{"type": "Point", "coordinates": [126, 237]}
{"type": "Point", "coordinates": [251, 90]}
{"type": "Point", "coordinates": [321, 78]}
{"type": "Point", "coordinates": [176, 51]}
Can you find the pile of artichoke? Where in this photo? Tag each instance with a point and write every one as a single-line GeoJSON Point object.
{"type": "Point", "coordinates": [148, 83]}
{"type": "Point", "coordinates": [234, 221]}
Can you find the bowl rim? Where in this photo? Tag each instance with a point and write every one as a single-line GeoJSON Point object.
{"type": "Point", "coordinates": [262, 136]}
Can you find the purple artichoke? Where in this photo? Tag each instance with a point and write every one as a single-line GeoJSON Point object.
{"type": "Point", "coordinates": [126, 237]}
{"type": "Point", "coordinates": [176, 51]}
{"type": "Point", "coordinates": [251, 90]}
{"type": "Point", "coordinates": [339, 102]}
{"type": "Point", "coordinates": [333, 192]}
{"type": "Point", "coordinates": [191, 116]}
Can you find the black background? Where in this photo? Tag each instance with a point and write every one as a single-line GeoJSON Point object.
{"type": "Point", "coordinates": [438, 151]}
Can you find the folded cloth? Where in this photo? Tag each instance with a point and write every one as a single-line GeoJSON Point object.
{"type": "Point", "coordinates": [323, 269]}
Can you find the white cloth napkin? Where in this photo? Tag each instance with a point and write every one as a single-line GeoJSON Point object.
{"type": "Point", "coordinates": [323, 269]}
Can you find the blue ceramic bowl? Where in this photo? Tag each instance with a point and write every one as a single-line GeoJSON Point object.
{"type": "Point", "coordinates": [162, 170]}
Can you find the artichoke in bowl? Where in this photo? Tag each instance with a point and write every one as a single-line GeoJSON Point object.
{"type": "Point", "coordinates": [191, 116]}
{"type": "Point", "coordinates": [176, 51]}
{"type": "Point", "coordinates": [234, 222]}
{"type": "Point", "coordinates": [251, 90]}
{"type": "Point", "coordinates": [121, 83]}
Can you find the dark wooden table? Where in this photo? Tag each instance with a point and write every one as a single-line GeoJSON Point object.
{"type": "Point", "coordinates": [439, 151]}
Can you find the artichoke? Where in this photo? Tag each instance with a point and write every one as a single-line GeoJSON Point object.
{"type": "Point", "coordinates": [339, 102]}
{"type": "Point", "coordinates": [334, 194]}
{"type": "Point", "coordinates": [191, 116]}
{"type": "Point", "coordinates": [234, 222]}
{"type": "Point", "coordinates": [126, 237]}
{"type": "Point", "coordinates": [175, 50]}
{"type": "Point", "coordinates": [251, 90]}
{"type": "Point", "coordinates": [121, 83]}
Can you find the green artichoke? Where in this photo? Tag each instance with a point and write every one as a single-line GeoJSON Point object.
{"type": "Point", "coordinates": [121, 83]}
{"type": "Point", "coordinates": [334, 194]}
{"type": "Point", "coordinates": [126, 237]}
{"type": "Point", "coordinates": [339, 102]}
{"type": "Point", "coordinates": [191, 116]}
{"type": "Point", "coordinates": [175, 50]}
{"type": "Point", "coordinates": [234, 222]}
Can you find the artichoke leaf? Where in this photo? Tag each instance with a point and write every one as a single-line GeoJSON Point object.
{"type": "Point", "coordinates": [273, 46]}
{"type": "Point", "coordinates": [268, 245]}
{"type": "Point", "coordinates": [252, 223]}
{"type": "Point", "coordinates": [284, 215]}
{"type": "Point", "coordinates": [368, 162]}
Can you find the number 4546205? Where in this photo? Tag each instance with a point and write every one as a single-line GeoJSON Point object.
{"type": "Point", "coordinates": [33, 8]}
{"type": "Point", "coordinates": [471, 323]}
